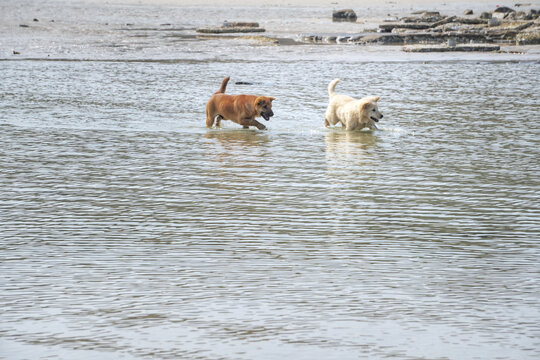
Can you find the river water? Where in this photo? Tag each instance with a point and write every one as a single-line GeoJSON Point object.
{"type": "Point", "coordinates": [130, 231]}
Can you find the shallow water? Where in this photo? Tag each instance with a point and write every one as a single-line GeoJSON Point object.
{"type": "Point", "coordinates": [129, 230]}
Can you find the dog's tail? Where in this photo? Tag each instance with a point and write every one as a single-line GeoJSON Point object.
{"type": "Point", "coordinates": [332, 86]}
{"type": "Point", "coordinates": [223, 86]}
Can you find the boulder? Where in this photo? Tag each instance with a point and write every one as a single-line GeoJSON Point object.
{"type": "Point", "coordinates": [494, 21]}
{"type": "Point", "coordinates": [485, 15]}
{"type": "Point", "coordinates": [344, 15]}
{"type": "Point", "coordinates": [468, 12]}
{"type": "Point", "coordinates": [503, 9]}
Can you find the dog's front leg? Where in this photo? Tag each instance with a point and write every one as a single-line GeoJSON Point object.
{"type": "Point", "coordinates": [246, 123]}
{"type": "Point", "coordinates": [259, 125]}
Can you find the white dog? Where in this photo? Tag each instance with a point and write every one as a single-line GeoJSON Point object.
{"type": "Point", "coordinates": [352, 113]}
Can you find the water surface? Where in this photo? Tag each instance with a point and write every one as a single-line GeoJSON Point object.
{"type": "Point", "coordinates": [130, 231]}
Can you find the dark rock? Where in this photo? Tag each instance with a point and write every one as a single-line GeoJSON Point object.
{"type": "Point", "coordinates": [523, 26]}
{"type": "Point", "coordinates": [503, 9]}
{"type": "Point", "coordinates": [16, 52]}
{"type": "Point", "coordinates": [485, 15]}
{"type": "Point", "coordinates": [331, 39]}
{"type": "Point", "coordinates": [471, 21]}
{"type": "Point", "coordinates": [410, 26]}
{"type": "Point", "coordinates": [517, 15]}
{"type": "Point", "coordinates": [342, 39]}
{"type": "Point", "coordinates": [427, 17]}
{"type": "Point", "coordinates": [468, 12]}
{"type": "Point", "coordinates": [23, 25]}
{"type": "Point", "coordinates": [528, 38]}
{"type": "Point", "coordinates": [344, 15]}
{"type": "Point", "coordinates": [532, 15]}
{"type": "Point", "coordinates": [36, 20]}
{"type": "Point", "coordinates": [446, 20]}
{"type": "Point", "coordinates": [494, 21]}
{"type": "Point", "coordinates": [422, 38]}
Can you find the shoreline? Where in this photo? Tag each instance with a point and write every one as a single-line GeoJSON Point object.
{"type": "Point", "coordinates": [165, 30]}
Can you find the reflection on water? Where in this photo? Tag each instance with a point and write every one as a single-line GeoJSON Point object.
{"type": "Point", "coordinates": [237, 139]}
{"type": "Point", "coordinates": [129, 230]}
{"type": "Point", "coordinates": [343, 143]}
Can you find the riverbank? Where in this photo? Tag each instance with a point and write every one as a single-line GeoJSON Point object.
{"type": "Point", "coordinates": [166, 31]}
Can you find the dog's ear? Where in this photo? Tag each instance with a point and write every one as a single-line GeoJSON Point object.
{"type": "Point", "coordinates": [259, 101]}
{"type": "Point", "coordinates": [372, 98]}
{"type": "Point", "coordinates": [365, 106]}
{"type": "Point", "coordinates": [271, 99]}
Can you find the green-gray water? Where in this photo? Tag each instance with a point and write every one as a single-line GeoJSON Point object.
{"type": "Point", "coordinates": [130, 231]}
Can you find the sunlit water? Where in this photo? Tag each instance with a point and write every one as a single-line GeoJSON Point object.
{"type": "Point", "coordinates": [129, 230]}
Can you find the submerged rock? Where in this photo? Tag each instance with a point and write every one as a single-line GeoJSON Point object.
{"type": "Point", "coordinates": [461, 47]}
{"type": "Point", "coordinates": [232, 27]}
{"type": "Point", "coordinates": [228, 30]}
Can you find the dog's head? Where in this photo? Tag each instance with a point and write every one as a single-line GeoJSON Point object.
{"type": "Point", "coordinates": [370, 109]}
{"type": "Point", "coordinates": [263, 106]}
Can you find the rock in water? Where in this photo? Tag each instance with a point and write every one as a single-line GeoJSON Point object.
{"type": "Point", "coordinates": [503, 9]}
{"type": "Point", "coordinates": [494, 21]}
{"type": "Point", "coordinates": [344, 15]}
{"type": "Point", "coordinates": [485, 15]}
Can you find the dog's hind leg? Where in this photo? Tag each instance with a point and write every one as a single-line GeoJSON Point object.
{"type": "Point", "coordinates": [218, 119]}
{"type": "Point", "coordinates": [209, 122]}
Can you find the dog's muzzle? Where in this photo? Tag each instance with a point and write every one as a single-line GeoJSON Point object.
{"type": "Point", "coordinates": [375, 119]}
{"type": "Point", "coordinates": [267, 115]}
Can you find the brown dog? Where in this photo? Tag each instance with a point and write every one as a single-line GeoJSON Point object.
{"type": "Point", "coordinates": [242, 109]}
